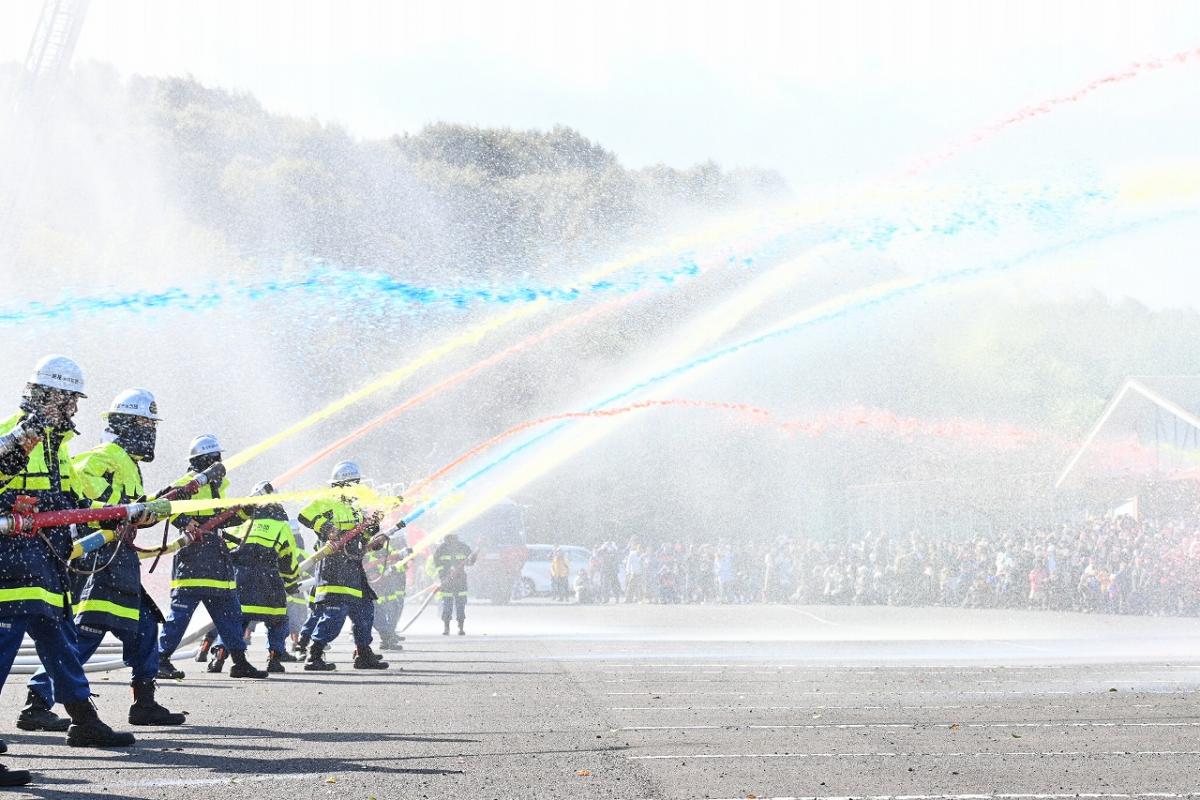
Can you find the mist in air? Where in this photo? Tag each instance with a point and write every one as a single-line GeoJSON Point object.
{"type": "Point", "coordinates": [761, 379]}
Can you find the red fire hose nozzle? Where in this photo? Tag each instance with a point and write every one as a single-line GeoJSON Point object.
{"type": "Point", "coordinates": [26, 520]}
{"type": "Point", "coordinates": [213, 474]}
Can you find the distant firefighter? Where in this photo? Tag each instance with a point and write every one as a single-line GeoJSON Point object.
{"type": "Point", "coordinates": [449, 565]}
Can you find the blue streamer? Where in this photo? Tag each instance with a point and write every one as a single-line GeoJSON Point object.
{"type": "Point", "coordinates": [900, 293]}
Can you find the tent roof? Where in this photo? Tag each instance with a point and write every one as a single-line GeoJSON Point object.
{"type": "Point", "coordinates": [1177, 397]}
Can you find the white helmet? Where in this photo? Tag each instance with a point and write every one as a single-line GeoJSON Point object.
{"type": "Point", "coordinates": [58, 372]}
{"type": "Point", "coordinates": [135, 403]}
{"type": "Point", "coordinates": [345, 472]}
{"type": "Point", "coordinates": [204, 444]}
{"type": "Point", "coordinates": [262, 487]}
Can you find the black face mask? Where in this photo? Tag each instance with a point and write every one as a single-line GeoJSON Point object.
{"type": "Point", "coordinates": [134, 437]}
{"type": "Point", "coordinates": [201, 463]}
{"type": "Point", "coordinates": [44, 404]}
{"type": "Point", "coordinates": [269, 511]}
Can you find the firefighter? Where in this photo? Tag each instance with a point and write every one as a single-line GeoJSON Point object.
{"type": "Point", "coordinates": [342, 588]}
{"type": "Point", "coordinates": [112, 599]}
{"type": "Point", "coordinates": [34, 591]}
{"type": "Point", "coordinates": [449, 564]}
{"type": "Point", "coordinates": [202, 572]}
{"type": "Point", "coordinates": [297, 612]}
{"type": "Point", "coordinates": [265, 561]}
{"type": "Point", "coordinates": [388, 569]}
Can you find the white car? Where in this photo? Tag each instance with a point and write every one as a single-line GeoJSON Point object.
{"type": "Point", "coordinates": [535, 575]}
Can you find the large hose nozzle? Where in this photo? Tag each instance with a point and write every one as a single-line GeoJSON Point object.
{"type": "Point", "coordinates": [214, 474]}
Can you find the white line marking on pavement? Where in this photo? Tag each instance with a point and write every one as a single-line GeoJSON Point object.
{"type": "Point", "coordinates": [1004, 796]}
{"type": "Point", "coordinates": [858, 668]}
{"type": "Point", "coordinates": [992, 754]}
{"type": "Point", "coordinates": [228, 780]}
{"type": "Point", "coordinates": [912, 725]}
{"type": "Point", "coordinates": [829, 708]}
{"type": "Point", "coordinates": [677, 694]}
{"type": "Point", "coordinates": [814, 617]}
{"type": "Point", "coordinates": [779, 708]}
{"type": "Point", "coordinates": [1098, 689]}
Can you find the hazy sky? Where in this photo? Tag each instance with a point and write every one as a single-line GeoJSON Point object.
{"type": "Point", "coordinates": [822, 91]}
{"type": "Point", "coordinates": [825, 92]}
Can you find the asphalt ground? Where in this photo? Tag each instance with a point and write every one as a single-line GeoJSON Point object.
{"type": "Point", "coordinates": [546, 701]}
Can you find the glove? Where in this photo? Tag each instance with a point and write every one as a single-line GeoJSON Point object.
{"type": "Point", "coordinates": [192, 532]}
{"type": "Point", "coordinates": [179, 492]}
{"type": "Point", "coordinates": [23, 438]}
{"type": "Point", "coordinates": [377, 541]}
{"type": "Point", "coordinates": [143, 517]}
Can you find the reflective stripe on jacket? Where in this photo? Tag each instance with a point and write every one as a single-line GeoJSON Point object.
{"type": "Point", "coordinates": [33, 577]}
{"type": "Point", "coordinates": [111, 598]}
{"type": "Point", "coordinates": [341, 576]}
{"type": "Point", "coordinates": [203, 568]}
{"type": "Point", "coordinates": [449, 564]}
{"type": "Point", "coordinates": [263, 562]}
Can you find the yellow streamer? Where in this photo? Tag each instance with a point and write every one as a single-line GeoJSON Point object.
{"type": "Point", "coordinates": [474, 335]}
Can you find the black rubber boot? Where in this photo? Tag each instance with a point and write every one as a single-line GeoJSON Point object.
{"type": "Point", "coordinates": [286, 658]}
{"type": "Point", "coordinates": [274, 663]}
{"type": "Point", "coordinates": [301, 646]}
{"type": "Point", "coordinates": [87, 730]}
{"type": "Point", "coordinates": [37, 716]}
{"type": "Point", "coordinates": [146, 710]}
{"type": "Point", "coordinates": [316, 659]}
{"type": "Point", "coordinates": [202, 652]}
{"type": "Point", "coordinates": [167, 670]}
{"type": "Point", "coordinates": [461, 632]}
{"type": "Point", "coordinates": [242, 668]}
{"type": "Point", "coordinates": [390, 641]}
{"type": "Point", "coordinates": [216, 659]}
{"type": "Point", "coordinates": [445, 627]}
{"type": "Point", "coordinates": [14, 777]}
{"type": "Point", "coordinates": [365, 658]}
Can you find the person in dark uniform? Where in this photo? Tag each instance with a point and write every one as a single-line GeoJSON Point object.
{"type": "Point", "coordinates": [449, 564]}
{"type": "Point", "coordinates": [34, 589]}
{"type": "Point", "coordinates": [265, 561]}
{"type": "Point", "coordinates": [202, 572]}
{"type": "Point", "coordinates": [112, 599]}
{"type": "Point", "coordinates": [388, 571]}
{"type": "Point", "coordinates": [342, 590]}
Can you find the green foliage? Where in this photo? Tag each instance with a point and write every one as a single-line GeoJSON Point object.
{"type": "Point", "coordinates": [478, 201]}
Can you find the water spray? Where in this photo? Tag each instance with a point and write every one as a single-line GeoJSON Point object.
{"type": "Point", "coordinates": [450, 382]}
{"type": "Point", "coordinates": [1135, 70]}
{"type": "Point", "coordinates": [853, 302]}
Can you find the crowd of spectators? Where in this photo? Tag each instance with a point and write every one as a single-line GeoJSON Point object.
{"type": "Point", "coordinates": [1111, 564]}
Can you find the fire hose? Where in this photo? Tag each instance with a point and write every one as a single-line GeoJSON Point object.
{"type": "Point", "coordinates": [25, 520]}
{"type": "Point", "coordinates": [336, 544]}
{"type": "Point", "coordinates": [432, 590]}
{"type": "Point", "coordinates": [184, 539]}
{"type": "Point", "coordinates": [94, 541]}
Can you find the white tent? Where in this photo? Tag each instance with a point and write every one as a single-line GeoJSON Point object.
{"type": "Point", "coordinates": [1148, 426]}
